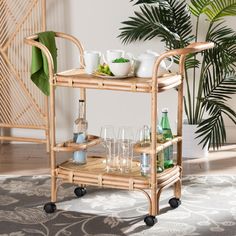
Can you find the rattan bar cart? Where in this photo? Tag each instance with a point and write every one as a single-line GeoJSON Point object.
{"type": "Point", "coordinates": [94, 172]}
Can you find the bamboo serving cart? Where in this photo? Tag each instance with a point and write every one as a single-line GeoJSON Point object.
{"type": "Point", "coordinates": [94, 172]}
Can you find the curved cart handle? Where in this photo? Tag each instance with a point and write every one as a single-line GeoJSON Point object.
{"type": "Point", "coordinates": [31, 40]}
{"type": "Point", "coordinates": [182, 52]}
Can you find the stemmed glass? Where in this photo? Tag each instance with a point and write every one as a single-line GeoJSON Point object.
{"type": "Point", "coordinates": [107, 133]}
{"type": "Point", "coordinates": [110, 144]}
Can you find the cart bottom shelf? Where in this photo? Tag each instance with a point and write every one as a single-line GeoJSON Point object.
{"type": "Point", "coordinates": [94, 174]}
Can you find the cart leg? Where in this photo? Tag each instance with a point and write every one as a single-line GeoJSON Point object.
{"type": "Point", "coordinates": [53, 189]}
{"type": "Point", "coordinates": [151, 219]}
{"type": "Point", "coordinates": [177, 189]}
{"type": "Point", "coordinates": [47, 131]}
{"type": "Point", "coordinates": [158, 194]}
{"type": "Point", "coordinates": [175, 201]}
{"type": "Point", "coordinates": [50, 207]}
{"type": "Point", "coordinates": [154, 208]}
{"type": "Point", "coordinates": [53, 177]}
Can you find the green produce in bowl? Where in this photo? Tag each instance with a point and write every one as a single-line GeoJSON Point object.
{"type": "Point", "coordinates": [104, 69]}
{"type": "Point", "coordinates": [120, 60]}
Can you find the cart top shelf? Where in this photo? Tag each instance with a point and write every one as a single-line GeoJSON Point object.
{"type": "Point", "coordinates": [77, 78]}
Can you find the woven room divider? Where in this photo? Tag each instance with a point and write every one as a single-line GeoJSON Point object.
{"type": "Point", "coordinates": [22, 104]}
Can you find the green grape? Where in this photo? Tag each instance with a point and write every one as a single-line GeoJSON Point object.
{"type": "Point", "coordinates": [100, 68]}
{"type": "Point", "coordinates": [105, 69]}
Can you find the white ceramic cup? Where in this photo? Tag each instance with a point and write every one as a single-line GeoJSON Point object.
{"type": "Point", "coordinates": [112, 54]}
{"type": "Point", "coordinates": [91, 60]}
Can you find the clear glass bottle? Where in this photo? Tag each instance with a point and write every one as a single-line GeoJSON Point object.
{"type": "Point", "coordinates": [80, 124]}
{"type": "Point", "coordinates": [80, 134]}
{"type": "Point", "coordinates": [167, 135]}
{"type": "Point", "coordinates": [145, 139]}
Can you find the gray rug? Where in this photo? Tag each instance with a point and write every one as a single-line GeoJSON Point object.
{"type": "Point", "coordinates": [208, 208]}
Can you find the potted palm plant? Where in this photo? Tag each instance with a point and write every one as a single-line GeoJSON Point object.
{"type": "Point", "coordinates": [210, 77]}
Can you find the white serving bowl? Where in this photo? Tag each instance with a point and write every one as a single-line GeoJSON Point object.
{"type": "Point", "coordinates": [120, 68]}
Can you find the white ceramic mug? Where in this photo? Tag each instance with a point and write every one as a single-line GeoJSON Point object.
{"type": "Point", "coordinates": [91, 60]}
{"type": "Point", "coordinates": [112, 54]}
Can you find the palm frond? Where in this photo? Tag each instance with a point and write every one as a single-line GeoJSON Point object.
{"type": "Point", "coordinates": [221, 88]}
{"type": "Point", "coordinates": [191, 62]}
{"type": "Point", "coordinates": [182, 24]}
{"type": "Point", "coordinates": [222, 58]}
{"type": "Point", "coordinates": [212, 129]}
{"type": "Point", "coordinates": [219, 83]}
{"type": "Point", "coordinates": [172, 24]}
{"type": "Point", "coordinates": [197, 6]}
{"type": "Point", "coordinates": [161, 2]}
{"type": "Point", "coordinates": [218, 9]}
{"type": "Point", "coordinates": [146, 25]}
{"type": "Point", "coordinates": [212, 132]}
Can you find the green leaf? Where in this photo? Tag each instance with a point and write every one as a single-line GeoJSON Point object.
{"type": "Point", "coordinates": [213, 128]}
{"type": "Point", "coordinates": [146, 25]}
{"type": "Point", "coordinates": [219, 9]}
{"type": "Point", "coordinates": [197, 6]}
{"type": "Point", "coordinates": [172, 24]}
{"type": "Point", "coordinates": [191, 62]}
{"type": "Point", "coordinates": [149, 2]}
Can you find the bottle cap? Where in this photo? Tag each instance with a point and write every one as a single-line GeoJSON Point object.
{"type": "Point", "coordinates": [164, 110]}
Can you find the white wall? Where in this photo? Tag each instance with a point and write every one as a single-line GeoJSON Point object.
{"type": "Point", "coordinates": [96, 24]}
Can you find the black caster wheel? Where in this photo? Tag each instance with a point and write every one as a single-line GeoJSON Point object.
{"type": "Point", "coordinates": [174, 202]}
{"type": "Point", "coordinates": [50, 207]}
{"type": "Point", "coordinates": [150, 220]}
{"type": "Point", "coordinates": [80, 191]}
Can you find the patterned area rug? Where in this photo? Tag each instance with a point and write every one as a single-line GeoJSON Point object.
{"type": "Point", "coordinates": [208, 208]}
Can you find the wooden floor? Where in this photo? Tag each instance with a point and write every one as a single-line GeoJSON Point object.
{"type": "Point", "coordinates": [32, 159]}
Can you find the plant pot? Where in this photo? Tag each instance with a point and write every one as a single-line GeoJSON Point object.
{"type": "Point", "coordinates": [191, 146]}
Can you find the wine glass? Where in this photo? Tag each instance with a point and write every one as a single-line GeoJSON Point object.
{"type": "Point", "coordinates": [126, 133]}
{"type": "Point", "coordinates": [107, 133]}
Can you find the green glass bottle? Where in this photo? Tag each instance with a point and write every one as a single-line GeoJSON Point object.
{"type": "Point", "coordinates": [167, 135]}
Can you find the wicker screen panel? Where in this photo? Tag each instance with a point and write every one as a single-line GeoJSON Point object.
{"type": "Point", "coordinates": [16, 107]}
{"type": "Point", "coordinates": [22, 105]}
